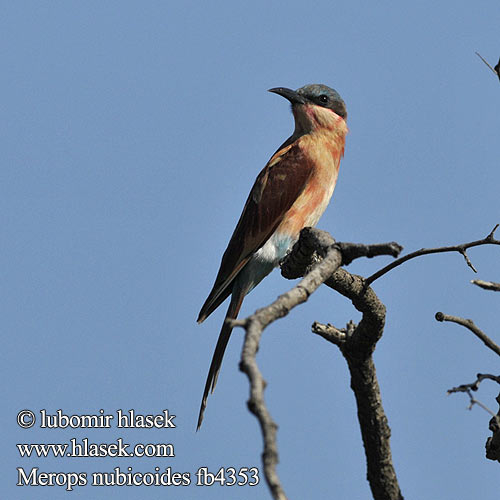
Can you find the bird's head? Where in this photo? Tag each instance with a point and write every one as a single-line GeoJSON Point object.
{"type": "Point", "coordinates": [314, 106]}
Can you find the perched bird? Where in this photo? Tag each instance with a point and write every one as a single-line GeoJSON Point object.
{"type": "Point", "coordinates": [290, 193]}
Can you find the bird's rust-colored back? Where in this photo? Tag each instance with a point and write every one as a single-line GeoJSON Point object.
{"type": "Point", "coordinates": [274, 192]}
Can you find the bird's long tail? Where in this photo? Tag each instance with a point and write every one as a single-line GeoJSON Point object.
{"type": "Point", "coordinates": [220, 348]}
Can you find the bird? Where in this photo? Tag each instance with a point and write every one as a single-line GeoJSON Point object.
{"type": "Point", "coordinates": [290, 193]}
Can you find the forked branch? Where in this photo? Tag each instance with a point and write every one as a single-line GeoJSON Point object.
{"type": "Point", "coordinates": [462, 249]}
{"type": "Point", "coordinates": [317, 257]}
{"type": "Point", "coordinates": [493, 442]}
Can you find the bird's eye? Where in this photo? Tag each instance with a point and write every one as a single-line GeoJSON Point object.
{"type": "Point", "coordinates": [323, 98]}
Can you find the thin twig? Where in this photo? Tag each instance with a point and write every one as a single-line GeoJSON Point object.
{"type": "Point", "coordinates": [468, 323]}
{"type": "Point", "coordinates": [474, 386]}
{"type": "Point", "coordinates": [486, 62]}
{"type": "Point", "coordinates": [487, 285]}
{"type": "Point", "coordinates": [492, 443]}
{"type": "Point", "coordinates": [462, 248]}
{"type": "Point", "coordinates": [474, 401]}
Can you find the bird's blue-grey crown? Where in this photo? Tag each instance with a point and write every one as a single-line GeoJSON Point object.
{"type": "Point", "coordinates": [316, 93]}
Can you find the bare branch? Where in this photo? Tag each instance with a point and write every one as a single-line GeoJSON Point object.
{"type": "Point", "coordinates": [474, 401]}
{"type": "Point", "coordinates": [351, 251]}
{"type": "Point", "coordinates": [318, 257]}
{"type": "Point", "coordinates": [474, 386]}
{"type": "Point", "coordinates": [313, 244]}
{"type": "Point", "coordinates": [330, 333]}
{"type": "Point", "coordinates": [254, 326]}
{"type": "Point", "coordinates": [495, 70]}
{"type": "Point", "coordinates": [487, 285]}
{"type": "Point", "coordinates": [462, 248]}
{"type": "Point", "coordinates": [315, 256]}
{"type": "Point", "coordinates": [257, 406]}
{"type": "Point", "coordinates": [357, 343]}
{"type": "Point", "coordinates": [468, 323]}
{"type": "Point", "coordinates": [357, 349]}
{"type": "Point", "coordinates": [493, 442]}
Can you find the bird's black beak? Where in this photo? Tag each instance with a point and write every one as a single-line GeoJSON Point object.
{"type": "Point", "coordinates": [289, 94]}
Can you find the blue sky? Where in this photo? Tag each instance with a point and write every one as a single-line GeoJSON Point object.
{"type": "Point", "coordinates": [131, 134]}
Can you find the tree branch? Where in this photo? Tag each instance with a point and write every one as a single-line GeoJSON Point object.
{"type": "Point", "coordinates": [254, 326]}
{"type": "Point", "coordinates": [468, 323]}
{"type": "Point", "coordinates": [357, 344]}
{"type": "Point", "coordinates": [493, 442]}
{"type": "Point", "coordinates": [318, 256]}
{"type": "Point", "coordinates": [495, 70]}
{"type": "Point", "coordinates": [462, 249]}
{"type": "Point", "coordinates": [474, 386]}
{"type": "Point", "coordinates": [487, 285]}
{"type": "Point", "coordinates": [314, 244]}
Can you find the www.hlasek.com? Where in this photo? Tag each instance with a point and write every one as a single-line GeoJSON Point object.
{"type": "Point", "coordinates": [125, 476]}
{"type": "Point", "coordinates": [78, 449]}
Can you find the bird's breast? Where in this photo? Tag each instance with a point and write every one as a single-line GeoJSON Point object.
{"type": "Point", "coordinates": [323, 152]}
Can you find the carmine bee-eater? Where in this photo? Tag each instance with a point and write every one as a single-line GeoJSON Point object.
{"type": "Point", "coordinates": [290, 193]}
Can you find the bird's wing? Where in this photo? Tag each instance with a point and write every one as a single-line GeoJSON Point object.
{"type": "Point", "coordinates": [275, 190]}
